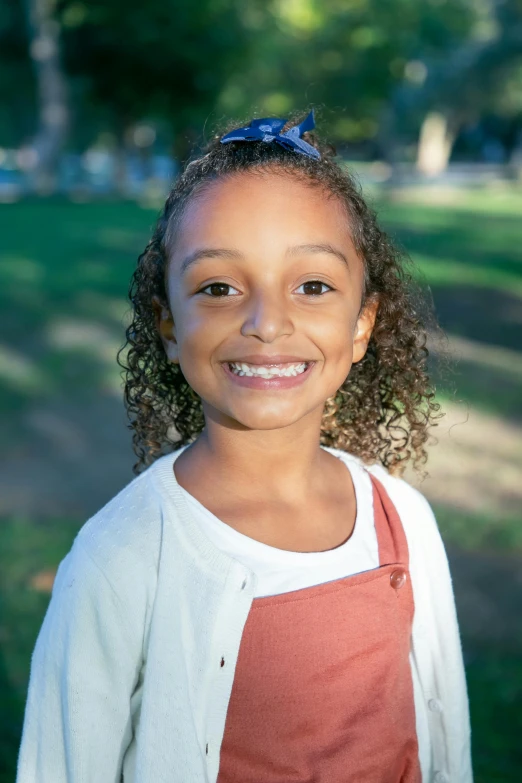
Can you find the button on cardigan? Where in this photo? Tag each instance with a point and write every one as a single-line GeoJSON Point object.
{"type": "Point", "coordinates": [127, 678]}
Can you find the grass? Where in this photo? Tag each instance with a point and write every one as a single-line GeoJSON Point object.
{"type": "Point", "coordinates": [478, 531]}
{"type": "Point", "coordinates": [495, 693]}
{"type": "Point", "coordinates": [64, 272]}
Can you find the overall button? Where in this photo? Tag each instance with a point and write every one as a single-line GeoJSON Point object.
{"type": "Point", "coordinates": [435, 705]}
{"type": "Point", "coordinates": [398, 578]}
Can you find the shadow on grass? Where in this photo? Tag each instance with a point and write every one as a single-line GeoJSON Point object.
{"type": "Point", "coordinates": [11, 719]}
{"type": "Point", "coordinates": [488, 590]}
{"type": "Point", "coordinates": [495, 692]}
{"type": "Point", "coordinates": [484, 315]}
{"type": "Point", "coordinates": [491, 389]}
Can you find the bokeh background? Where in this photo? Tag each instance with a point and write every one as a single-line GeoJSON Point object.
{"type": "Point", "coordinates": [100, 102]}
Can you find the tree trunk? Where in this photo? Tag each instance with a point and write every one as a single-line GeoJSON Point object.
{"type": "Point", "coordinates": [435, 145]}
{"type": "Point", "coordinates": [53, 113]}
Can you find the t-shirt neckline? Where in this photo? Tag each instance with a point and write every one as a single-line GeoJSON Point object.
{"type": "Point", "coordinates": [274, 555]}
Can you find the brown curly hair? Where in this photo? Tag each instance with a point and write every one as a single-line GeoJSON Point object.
{"type": "Point", "coordinates": [385, 407]}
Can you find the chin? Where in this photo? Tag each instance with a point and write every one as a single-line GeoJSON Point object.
{"type": "Point", "coordinates": [270, 420]}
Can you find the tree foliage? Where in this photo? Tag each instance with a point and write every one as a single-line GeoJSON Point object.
{"type": "Point", "coordinates": [376, 66]}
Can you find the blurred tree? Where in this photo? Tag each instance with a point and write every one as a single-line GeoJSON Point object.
{"type": "Point", "coordinates": [16, 78]}
{"type": "Point", "coordinates": [380, 70]}
{"type": "Point", "coordinates": [353, 56]}
{"type": "Point", "coordinates": [481, 76]}
{"type": "Point", "coordinates": [159, 59]}
{"type": "Point", "coordinates": [53, 113]}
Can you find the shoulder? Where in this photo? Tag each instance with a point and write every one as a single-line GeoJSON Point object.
{"type": "Point", "coordinates": [407, 499]}
{"type": "Point", "coordinates": [418, 521]}
{"type": "Point", "coordinates": [412, 506]}
{"type": "Point", "coordinates": [124, 537]}
{"type": "Point", "coordinates": [111, 570]}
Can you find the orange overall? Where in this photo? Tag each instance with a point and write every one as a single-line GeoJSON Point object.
{"type": "Point", "coordinates": [323, 690]}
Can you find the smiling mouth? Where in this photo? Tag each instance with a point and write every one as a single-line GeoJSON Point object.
{"type": "Point", "coordinates": [288, 370]}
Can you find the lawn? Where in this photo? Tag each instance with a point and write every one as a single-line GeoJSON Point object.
{"type": "Point", "coordinates": [64, 272]}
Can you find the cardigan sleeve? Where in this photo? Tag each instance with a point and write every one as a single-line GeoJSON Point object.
{"type": "Point", "coordinates": [437, 646]}
{"type": "Point", "coordinates": [84, 668]}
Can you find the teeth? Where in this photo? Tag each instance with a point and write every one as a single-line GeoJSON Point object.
{"type": "Point", "coordinates": [252, 370]}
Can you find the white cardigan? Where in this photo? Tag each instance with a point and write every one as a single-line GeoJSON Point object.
{"type": "Point", "coordinates": [126, 677]}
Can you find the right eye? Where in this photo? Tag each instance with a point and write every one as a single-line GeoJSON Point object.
{"type": "Point", "coordinates": [219, 290]}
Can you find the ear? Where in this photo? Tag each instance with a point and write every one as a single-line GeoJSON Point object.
{"type": "Point", "coordinates": [364, 328]}
{"type": "Point", "coordinates": [166, 329]}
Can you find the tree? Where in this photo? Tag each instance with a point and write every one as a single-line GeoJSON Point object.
{"type": "Point", "coordinates": [159, 59]}
{"type": "Point", "coordinates": [355, 57]}
{"type": "Point", "coordinates": [53, 111]}
{"type": "Point", "coordinates": [482, 75]}
{"type": "Point", "coordinates": [16, 76]}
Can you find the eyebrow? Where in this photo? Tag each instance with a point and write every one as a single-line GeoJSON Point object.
{"type": "Point", "coordinates": [216, 252]}
{"type": "Point", "coordinates": [320, 248]}
{"type": "Point", "coordinates": [208, 252]}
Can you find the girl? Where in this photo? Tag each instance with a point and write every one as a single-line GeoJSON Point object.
{"type": "Point", "coordinates": [268, 602]}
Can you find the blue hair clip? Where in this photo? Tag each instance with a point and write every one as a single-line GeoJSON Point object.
{"type": "Point", "coordinates": [268, 129]}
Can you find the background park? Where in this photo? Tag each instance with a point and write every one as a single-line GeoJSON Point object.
{"type": "Point", "coordinates": [100, 102]}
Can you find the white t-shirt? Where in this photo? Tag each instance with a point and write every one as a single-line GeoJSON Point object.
{"type": "Point", "coordinates": [280, 571]}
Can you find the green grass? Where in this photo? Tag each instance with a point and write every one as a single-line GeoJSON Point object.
{"type": "Point", "coordinates": [459, 245]}
{"type": "Point", "coordinates": [64, 274]}
{"type": "Point", "coordinates": [479, 531]}
{"type": "Point", "coordinates": [495, 693]}
{"type": "Point", "coordinates": [65, 270]}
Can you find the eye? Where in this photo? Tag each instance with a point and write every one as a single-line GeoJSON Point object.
{"type": "Point", "coordinates": [314, 287]}
{"type": "Point", "coordinates": [218, 290]}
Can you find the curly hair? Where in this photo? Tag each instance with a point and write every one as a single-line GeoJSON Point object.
{"type": "Point", "coordinates": [383, 410]}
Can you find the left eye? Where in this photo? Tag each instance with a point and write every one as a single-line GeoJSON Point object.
{"type": "Point", "coordinates": [219, 290]}
{"type": "Point", "coordinates": [314, 287]}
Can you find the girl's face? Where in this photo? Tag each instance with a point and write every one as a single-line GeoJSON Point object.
{"type": "Point", "coordinates": [264, 272]}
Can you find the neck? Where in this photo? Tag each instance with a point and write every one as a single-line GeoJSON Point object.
{"type": "Point", "coordinates": [282, 462]}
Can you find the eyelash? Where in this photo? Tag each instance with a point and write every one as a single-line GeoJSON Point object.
{"type": "Point", "coordinates": [202, 290]}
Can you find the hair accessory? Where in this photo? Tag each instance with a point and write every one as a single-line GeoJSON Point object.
{"type": "Point", "coordinates": [268, 129]}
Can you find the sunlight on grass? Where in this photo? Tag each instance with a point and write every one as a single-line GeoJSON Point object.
{"type": "Point", "coordinates": [488, 201]}
{"type": "Point", "coordinates": [493, 357]}
{"type": "Point", "coordinates": [17, 270]}
{"type": "Point", "coordinates": [20, 373]}
{"type": "Point", "coordinates": [77, 335]}
{"type": "Point", "coordinates": [447, 271]}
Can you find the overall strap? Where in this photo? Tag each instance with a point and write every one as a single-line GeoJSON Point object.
{"type": "Point", "coordinates": [393, 545]}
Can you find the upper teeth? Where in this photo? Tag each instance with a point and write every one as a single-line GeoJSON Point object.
{"type": "Point", "coordinates": [241, 368]}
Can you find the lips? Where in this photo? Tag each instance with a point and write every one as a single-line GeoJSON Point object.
{"type": "Point", "coordinates": [262, 378]}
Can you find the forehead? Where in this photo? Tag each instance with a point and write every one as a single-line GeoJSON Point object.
{"type": "Point", "coordinates": [262, 211]}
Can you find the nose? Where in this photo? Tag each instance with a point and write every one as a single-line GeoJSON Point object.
{"type": "Point", "coordinates": [267, 317]}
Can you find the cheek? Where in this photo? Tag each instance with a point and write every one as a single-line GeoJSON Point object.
{"type": "Point", "coordinates": [192, 325]}
{"type": "Point", "coordinates": [334, 334]}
